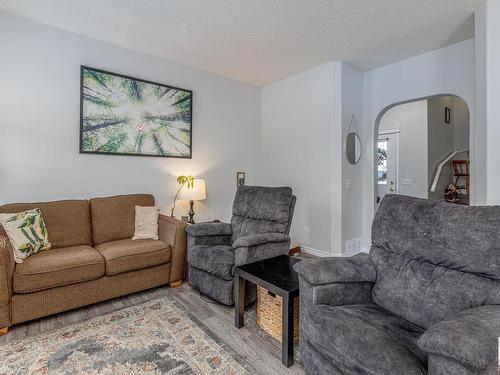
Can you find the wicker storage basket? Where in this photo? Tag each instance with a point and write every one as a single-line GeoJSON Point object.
{"type": "Point", "coordinates": [269, 314]}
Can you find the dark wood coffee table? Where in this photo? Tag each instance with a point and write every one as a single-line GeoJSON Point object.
{"type": "Point", "coordinates": [277, 276]}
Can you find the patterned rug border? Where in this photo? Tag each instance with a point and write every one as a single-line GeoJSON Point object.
{"type": "Point", "coordinates": [227, 348]}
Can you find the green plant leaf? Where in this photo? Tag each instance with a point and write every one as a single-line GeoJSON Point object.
{"type": "Point", "coordinates": [25, 248]}
{"type": "Point", "coordinates": [28, 236]}
{"type": "Point", "coordinates": [134, 89]}
{"type": "Point", "coordinates": [35, 235]}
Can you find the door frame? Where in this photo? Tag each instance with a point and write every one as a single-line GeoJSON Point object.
{"type": "Point", "coordinates": [396, 132]}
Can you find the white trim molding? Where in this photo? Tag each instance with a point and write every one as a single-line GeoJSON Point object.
{"type": "Point", "coordinates": [318, 253]}
{"type": "Point", "coordinates": [389, 131]}
{"type": "Point", "coordinates": [440, 166]}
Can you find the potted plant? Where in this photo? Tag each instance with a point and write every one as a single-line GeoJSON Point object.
{"type": "Point", "coordinates": [182, 180]}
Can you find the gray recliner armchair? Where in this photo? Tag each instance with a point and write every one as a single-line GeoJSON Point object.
{"type": "Point", "coordinates": [259, 229]}
{"type": "Point", "coordinates": [425, 300]}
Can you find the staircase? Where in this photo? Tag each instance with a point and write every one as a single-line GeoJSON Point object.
{"type": "Point", "coordinates": [460, 175]}
{"type": "Point", "coordinates": [461, 171]}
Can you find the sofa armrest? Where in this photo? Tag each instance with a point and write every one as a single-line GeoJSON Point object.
{"type": "Point", "coordinates": [320, 271]}
{"type": "Point", "coordinates": [210, 229]}
{"type": "Point", "coordinates": [259, 239]}
{"type": "Point", "coordinates": [172, 231]}
{"type": "Point", "coordinates": [470, 337]}
{"type": "Point", "coordinates": [7, 266]}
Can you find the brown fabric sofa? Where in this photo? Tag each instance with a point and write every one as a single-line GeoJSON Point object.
{"type": "Point", "coordinates": [92, 258]}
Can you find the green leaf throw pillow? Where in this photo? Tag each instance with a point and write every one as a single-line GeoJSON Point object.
{"type": "Point", "coordinates": [27, 233]}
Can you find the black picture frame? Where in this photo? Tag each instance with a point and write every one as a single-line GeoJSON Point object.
{"type": "Point", "coordinates": [447, 115]}
{"type": "Point", "coordinates": [190, 92]}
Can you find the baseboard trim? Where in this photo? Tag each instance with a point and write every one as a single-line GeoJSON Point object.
{"type": "Point", "coordinates": [318, 253]}
{"type": "Point", "coordinates": [365, 249]}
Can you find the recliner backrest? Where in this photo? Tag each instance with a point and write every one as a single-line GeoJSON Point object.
{"type": "Point", "coordinates": [434, 259]}
{"type": "Point", "coordinates": [258, 209]}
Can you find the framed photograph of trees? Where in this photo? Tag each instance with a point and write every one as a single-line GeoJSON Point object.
{"type": "Point", "coordinates": [123, 115]}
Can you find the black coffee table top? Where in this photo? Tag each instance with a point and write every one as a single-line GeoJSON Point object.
{"type": "Point", "coordinates": [275, 274]}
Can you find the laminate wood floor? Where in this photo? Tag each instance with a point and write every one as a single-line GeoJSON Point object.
{"type": "Point", "coordinates": [258, 348]}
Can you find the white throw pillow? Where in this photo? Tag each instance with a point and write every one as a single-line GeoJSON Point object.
{"type": "Point", "coordinates": [146, 223]}
{"type": "Point", "coordinates": [27, 233]}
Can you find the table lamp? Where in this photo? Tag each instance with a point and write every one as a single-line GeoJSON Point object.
{"type": "Point", "coordinates": [191, 194]}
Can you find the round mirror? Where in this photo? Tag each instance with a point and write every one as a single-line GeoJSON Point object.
{"type": "Point", "coordinates": [353, 148]}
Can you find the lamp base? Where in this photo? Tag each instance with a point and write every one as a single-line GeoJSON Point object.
{"type": "Point", "coordinates": [191, 212]}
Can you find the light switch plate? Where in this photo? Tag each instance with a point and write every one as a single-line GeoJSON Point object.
{"type": "Point", "coordinates": [406, 181]}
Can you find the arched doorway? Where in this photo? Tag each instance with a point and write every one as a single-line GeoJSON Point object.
{"type": "Point", "coordinates": [422, 149]}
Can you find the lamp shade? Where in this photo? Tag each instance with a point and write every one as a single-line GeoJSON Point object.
{"type": "Point", "coordinates": [196, 193]}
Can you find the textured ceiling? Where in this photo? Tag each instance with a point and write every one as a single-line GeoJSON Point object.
{"type": "Point", "coordinates": [262, 41]}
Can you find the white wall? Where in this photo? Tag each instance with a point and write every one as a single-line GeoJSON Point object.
{"type": "Point", "coordinates": [461, 119]}
{"type": "Point", "coordinates": [443, 139]}
{"type": "Point", "coordinates": [411, 119]}
{"type": "Point", "coordinates": [336, 151]}
{"type": "Point", "coordinates": [296, 117]}
{"type": "Point", "coordinates": [488, 91]}
{"type": "Point", "coordinates": [449, 70]}
{"type": "Point", "coordinates": [352, 196]}
{"type": "Point", "coordinates": [295, 139]}
{"type": "Point", "coordinates": [493, 100]}
{"type": "Point", "coordinates": [305, 119]}
{"type": "Point", "coordinates": [39, 124]}
{"type": "Point", "coordinates": [440, 142]}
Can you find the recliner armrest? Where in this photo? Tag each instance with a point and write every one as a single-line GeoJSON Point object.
{"type": "Point", "coordinates": [469, 337]}
{"type": "Point", "coordinates": [259, 239]}
{"type": "Point", "coordinates": [210, 229]}
{"type": "Point", "coordinates": [320, 271]}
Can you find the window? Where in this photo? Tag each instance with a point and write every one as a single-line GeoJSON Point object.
{"type": "Point", "coordinates": [382, 162]}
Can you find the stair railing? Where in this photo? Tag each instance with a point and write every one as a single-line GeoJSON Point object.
{"type": "Point", "coordinates": [440, 167]}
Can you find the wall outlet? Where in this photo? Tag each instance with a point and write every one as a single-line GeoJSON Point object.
{"type": "Point", "coordinates": [348, 184]}
{"type": "Point", "coordinates": [307, 230]}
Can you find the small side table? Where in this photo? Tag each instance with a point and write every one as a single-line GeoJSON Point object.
{"type": "Point", "coordinates": [277, 276]}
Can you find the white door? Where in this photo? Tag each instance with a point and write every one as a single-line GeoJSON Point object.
{"type": "Point", "coordinates": [387, 165]}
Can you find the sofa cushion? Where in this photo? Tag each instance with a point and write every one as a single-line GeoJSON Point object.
{"type": "Point", "coordinates": [57, 267]}
{"type": "Point", "coordinates": [463, 238]}
{"type": "Point", "coordinates": [146, 223]}
{"type": "Point", "coordinates": [366, 338]}
{"type": "Point", "coordinates": [113, 218]}
{"type": "Point", "coordinates": [216, 260]}
{"type": "Point", "coordinates": [27, 233]}
{"type": "Point", "coordinates": [434, 259]}
{"type": "Point", "coordinates": [424, 293]}
{"type": "Point", "coordinates": [67, 222]}
{"type": "Point", "coordinates": [129, 255]}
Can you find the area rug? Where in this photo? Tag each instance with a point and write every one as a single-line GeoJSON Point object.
{"type": "Point", "coordinates": [156, 337]}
